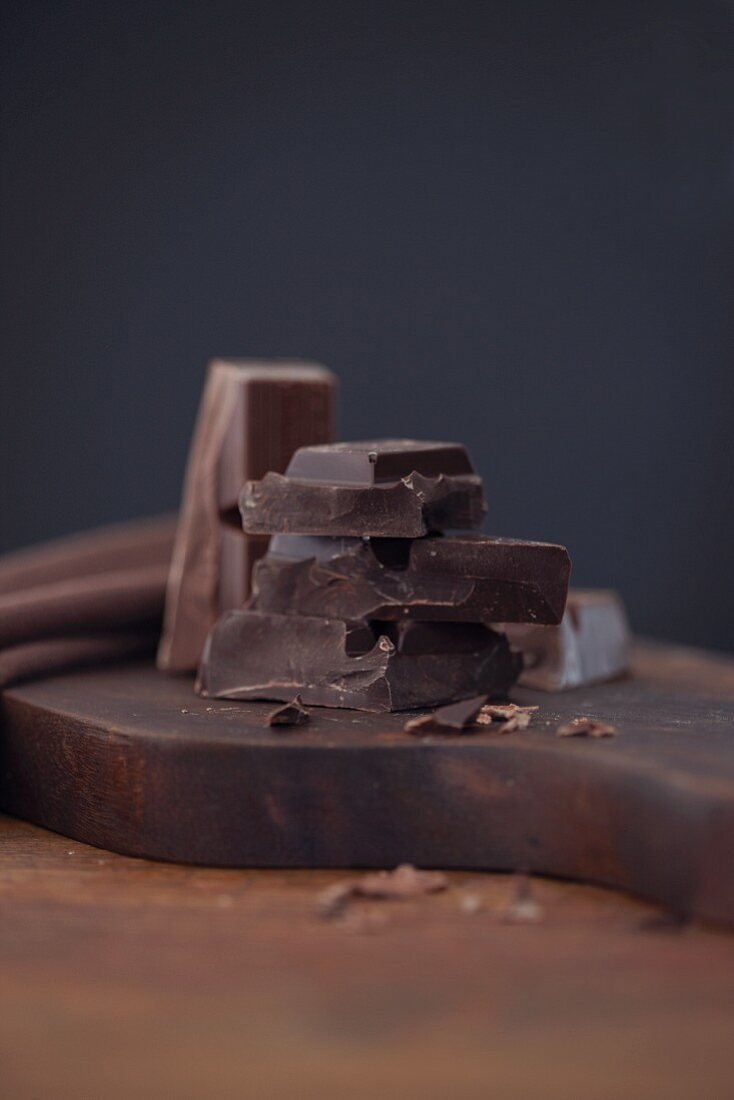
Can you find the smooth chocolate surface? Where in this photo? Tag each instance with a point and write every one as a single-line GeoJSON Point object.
{"type": "Point", "coordinates": [252, 417]}
{"type": "Point", "coordinates": [331, 663]}
{"type": "Point", "coordinates": [377, 461]}
{"type": "Point", "coordinates": [379, 488]}
{"type": "Point", "coordinates": [467, 578]}
{"type": "Point", "coordinates": [592, 643]}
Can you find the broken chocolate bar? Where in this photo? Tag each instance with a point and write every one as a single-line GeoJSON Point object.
{"type": "Point", "coordinates": [331, 663]}
{"type": "Point", "coordinates": [592, 643]}
{"type": "Point", "coordinates": [468, 578]}
{"type": "Point", "coordinates": [384, 488]}
{"type": "Point", "coordinates": [252, 417]}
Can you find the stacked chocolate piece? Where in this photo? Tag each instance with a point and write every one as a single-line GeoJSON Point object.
{"type": "Point", "coordinates": [363, 600]}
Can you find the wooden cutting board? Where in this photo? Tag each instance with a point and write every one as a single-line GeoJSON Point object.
{"type": "Point", "coordinates": [129, 759]}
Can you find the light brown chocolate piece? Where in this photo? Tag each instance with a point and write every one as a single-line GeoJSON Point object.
{"type": "Point", "coordinates": [253, 416]}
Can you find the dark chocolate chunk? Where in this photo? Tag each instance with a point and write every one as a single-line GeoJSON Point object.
{"type": "Point", "coordinates": [252, 417]}
{"type": "Point", "coordinates": [454, 718]}
{"type": "Point", "coordinates": [378, 461]}
{"type": "Point", "coordinates": [328, 662]}
{"type": "Point", "coordinates": [470, 578]}
{"type": "Point", "coordinates": [292, 714]}
{"type": "Point", "coordinates": [381, 488]}
{"type": "Point", "coordinates": [592, 643]}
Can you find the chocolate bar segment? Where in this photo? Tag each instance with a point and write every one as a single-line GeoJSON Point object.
{"type": "Point", "coordinates": [252, 417]}
{"type": "Point", "coordinates": [592, 643]}
{"type": "Point", "coordinates": [471, 578]}
{"type": "Point", "coordinates": [331, 663]}
{"type": "Point", "coordinates": [378, 461]}
{"type": "Point", "coordinates": [379, 488]}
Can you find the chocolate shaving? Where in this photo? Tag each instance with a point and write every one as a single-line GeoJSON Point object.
{"type": "Point", "coordinates": [455, 718]}
{"type": "Point", "coordinates": [406, 881]}
{"type": "Point", "coordinates": [292, 714]}
{"type": "Point", "coordinates": [502, 712]}
{"type": "Point", "coordinates": [585, 727]}
{"type": "Point", "coordinates": [512, 716]}
{"type": "Point", "coordinates": [519, 721]}
{"type": "Point", "coordinates": [333, 900]}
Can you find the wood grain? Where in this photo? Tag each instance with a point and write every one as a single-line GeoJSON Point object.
{"type": "Point", "coordinates": [122, 977]}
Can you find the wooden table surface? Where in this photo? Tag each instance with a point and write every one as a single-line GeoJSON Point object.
{"type": "Point", "coordinates": [122, 977]}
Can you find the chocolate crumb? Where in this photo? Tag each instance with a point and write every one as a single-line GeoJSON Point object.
{"type": "Point", "coordinates": [333, 900]}
{"type": "Point", "coordinates": [523, 908]}
{"type": "Point", "coordinates": [667, 921]}
{"type": "Point", "coordinates": [455, 718]}
{"type": "Point", "coordinates": [512, 716]}
{"type": "Point", "coordinates": [470, 904]}
{"type": "Point", "coordinates": [290, 714]}
{"type": "Point", "coordinates": [405, 881]}
{"type": "Point", "coordinates": [585, 727]}
{"type": "Point", "coordinates": [517, 722]}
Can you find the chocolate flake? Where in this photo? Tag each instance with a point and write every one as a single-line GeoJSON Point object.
{"type": "Point", "coordinates": [333, 900]}
{"type": "Point", "coordinates": [455, 718]}
{"type": "Point", "coordinates": [585, 727]}
{"type": "Point", "coordinates": [406, 881]}
{"type": "Point", "coordinates": [519, 721]}
{"type": "Point", "coordinates": [512, 716]}
{"type": "Point", "coordinates": [502, 712]}
{"type": "Point", "coordinates": [292, 714]}
{"type": "Point", "coordinates": [523, 908]}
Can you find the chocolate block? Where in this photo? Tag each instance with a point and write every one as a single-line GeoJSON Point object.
{"type": "Point", "coordinates": [331, 663]}
{"type": "Point", "coordinates": [467, 578]}
{"type": "Point", "coordinates": [384, 488]}
{"type": "Point", "coordinates": [252, 417]}
{"type": "Point", "coordinates": [592, 643]}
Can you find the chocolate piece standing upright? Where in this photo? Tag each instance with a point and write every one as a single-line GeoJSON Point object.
{"type": "Point", "coordinates": [592, 643]}
{"type": "Point", "coordinates": [253, 416]}
{"type": "Point", "coordinates": [384, 488]}
{"type": "Point", "coordinates": [466, 578]}
{"type": "Point", "coordinates": [330, 663]}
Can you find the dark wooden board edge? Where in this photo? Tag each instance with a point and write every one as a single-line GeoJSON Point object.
{"type": "Point", "coordinates": [576, 810]}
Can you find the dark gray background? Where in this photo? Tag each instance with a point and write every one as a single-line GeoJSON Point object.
{"type": "Point", "coordinates": [509, 224]}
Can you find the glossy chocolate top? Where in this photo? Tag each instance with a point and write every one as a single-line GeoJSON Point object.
{"type": "Point", "coordinates": [376, 461]}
